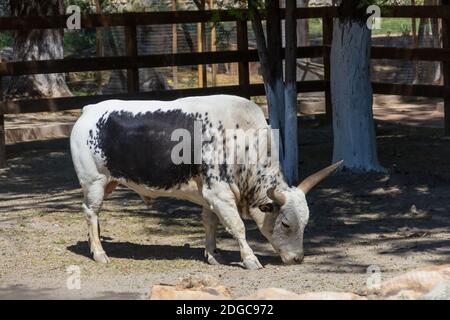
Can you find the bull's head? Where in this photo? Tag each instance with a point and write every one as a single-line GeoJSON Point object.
{"type": "Point", "coordinates": [286, 217]}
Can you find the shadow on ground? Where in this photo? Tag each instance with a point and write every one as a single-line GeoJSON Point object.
{"type": "Point", "coordinates": [409, 204]}
{"type": "Point", "coordinates": [134, 251]}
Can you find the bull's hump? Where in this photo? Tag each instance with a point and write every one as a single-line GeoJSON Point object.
{"type": "Point", "coordinates": [138, 147]}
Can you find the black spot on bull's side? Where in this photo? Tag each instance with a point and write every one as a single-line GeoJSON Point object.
{"type": "Point", "coordinates": [138, 147]}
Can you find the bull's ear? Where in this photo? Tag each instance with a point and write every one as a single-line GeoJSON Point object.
{"type": "Point", "coordinates": [314, 179]}
{"type": "Point", "coordinates": [276, 196]}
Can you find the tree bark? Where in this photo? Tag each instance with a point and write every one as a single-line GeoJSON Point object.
{"type": "Point", "coordinates": [351, 91]}
{"type": "Point", "coordinates": [270, 56]}
{"type": "Point", "coordinates": [30, 45]}
{"type": "Point", "coordinates": [4, 11]}
{"type": "Point", "coordinates": [302, 26]}
{"type": "Point", "coordinates": [5, 8]}
{"type": "Point", "coordinates": [275, 103]}
{"type": "Point", "coordinates": [290, 164]}
{"type": "Point", "coordinates": [276, 88]}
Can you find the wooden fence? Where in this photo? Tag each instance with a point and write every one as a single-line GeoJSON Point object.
{"type": "Point", "coordinates": [243, 55]}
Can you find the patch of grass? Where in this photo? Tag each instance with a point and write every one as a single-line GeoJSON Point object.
{"type": "Point", "coordinates": [388, 25]}
{"type": "Point", "coordinates": [315, 28]}
{"type": "Point", "coordinates": [395, 25]}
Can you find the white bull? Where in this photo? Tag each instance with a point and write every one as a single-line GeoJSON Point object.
{"type": "Point", "coordinates": [132, 143]}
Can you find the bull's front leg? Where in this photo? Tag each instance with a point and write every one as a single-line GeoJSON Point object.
{"type": "Point", "coordinates": [221, 200]}
{"type": "Point", "coordinates": [210, 222]}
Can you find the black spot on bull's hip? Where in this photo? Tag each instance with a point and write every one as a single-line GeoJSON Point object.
{"type": "Point", "coordinates": [138, 147]}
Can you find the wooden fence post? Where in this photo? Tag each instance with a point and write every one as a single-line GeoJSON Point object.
{"type": "Point", "coordinates": [242, 45]}
{"type": "Point", "coordinates": [446, 71]}
{"type": "Point", "coordinates": [174, 46]}
{"type": "Point", "coordinates": [213, 47]}
{"type": "Point", "coordinates": [132, 51]}
{"type": "Point", "coordinates": [99, 45]}
{"type": "Point", "coordinates": [327, 29]}
{"type": "Point", "coordinates": [201, 46]}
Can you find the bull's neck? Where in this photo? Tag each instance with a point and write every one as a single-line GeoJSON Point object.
{"type": "Point", "coordinates": [260, 179]}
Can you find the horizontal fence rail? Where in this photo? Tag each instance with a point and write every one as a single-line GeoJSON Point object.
{"type": "Point", "coordinates": [194, 58]}
{"type": "Point", "coordinates": [69, 103]}
{"type": "Point", "coordinates": [149, 18]}
{"type": "Point", "coordinates": [417, 90]}
{"type": "Point", "coordinates": [175, 17]}
{"type": "Point", "coordinates": [143, 61]}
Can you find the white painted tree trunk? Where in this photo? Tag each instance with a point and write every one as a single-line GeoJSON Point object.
{"type": "Point", "coordinates": [351, 91]}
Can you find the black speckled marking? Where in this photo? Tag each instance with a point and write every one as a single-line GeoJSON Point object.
{"type": "Point", "coordinates": [137, 147]}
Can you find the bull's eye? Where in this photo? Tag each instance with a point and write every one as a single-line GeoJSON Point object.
{"type": "Point", "coordinates": [268, 207]}
{"type": "Point", "coordinates": [284, 224]}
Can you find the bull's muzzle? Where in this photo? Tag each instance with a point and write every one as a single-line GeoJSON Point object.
{"type": "Point", "coordinates": [290, 258]}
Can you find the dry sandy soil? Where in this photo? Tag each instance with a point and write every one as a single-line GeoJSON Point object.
{"type": "Point", "coordinates": [396, 221]}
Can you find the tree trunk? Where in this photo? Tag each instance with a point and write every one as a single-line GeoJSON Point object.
{"type": "Point", "coordinates": [420, 68]}
{"type": "Point", "coordinates": [5, 8]}
{"type": "Point", "coordinates": [435, 42]}
{"type": "Point", "coordinates": [4, 11]}
{"type": "Point", "coordinates": [275, 85]}
{"type": "Point", "coordinates": [275, 66]}
{"type": "Point", "coordinates": [436, 30]}
{"type": "Point", "coordinates": [31, 45]}
{"type": "Point", "coordinates": [351, 91]}
{"type": "Point", "coordinates": [290, 164]}
{"type": "Point", "coordinates": [302, 26]}
{"type": "Point", "coordinates": [271, 59]}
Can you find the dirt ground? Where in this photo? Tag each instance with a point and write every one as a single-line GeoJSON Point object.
{"type": "Point", "coordinates": [397, 222]}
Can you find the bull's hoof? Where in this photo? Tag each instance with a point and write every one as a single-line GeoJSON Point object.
{"type": "Point", "coordinates": [214, 258]}
{"type": "Point", "coordinates": [101, 257]}
{"type": "Point", "coordinates": [252, 263]}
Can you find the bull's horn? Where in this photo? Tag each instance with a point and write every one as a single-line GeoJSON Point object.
{"type": "Point", "coordinates": [314, 179]}
{"type": "Point", "coordinates": [276, 196]}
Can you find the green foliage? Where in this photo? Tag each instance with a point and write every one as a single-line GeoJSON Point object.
{"type": "Point", "coordinates": [85, 5]}
{"type": "Point", "coordinates": [388, 26]}
{"type": "Point", "coordinates": [365, 3]}
{"type": "Point", "coordinates": [406, 31]}
{"type": "Point", "coordinates": [6, 39]}
{"type": "Point", "coordinates": [76, 41]}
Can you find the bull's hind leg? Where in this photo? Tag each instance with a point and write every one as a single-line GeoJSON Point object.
{"type": "Point", "coordinates": [210, 222]}
{"type": "Point", "coordinates": [94, 194]}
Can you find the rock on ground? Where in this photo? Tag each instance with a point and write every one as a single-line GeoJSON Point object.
{"type": "Point", "coordinates": [281, 294]}
{"type": "Point", "coordinates": [421, 283]}
{"type": "Point", "coordinates": [192, 288]}
{"type": "Point", "coordinates": [430, 283]}
{"type": "Point", "coordinates": [208, 288]}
